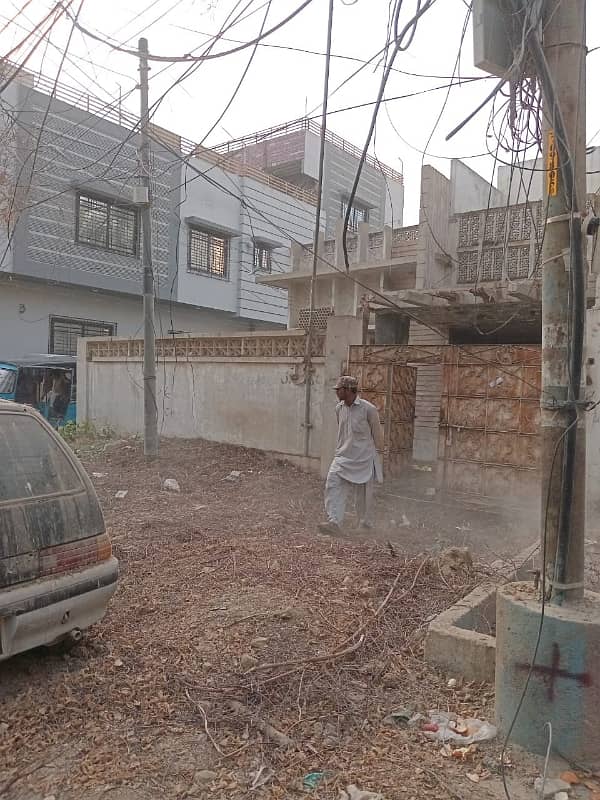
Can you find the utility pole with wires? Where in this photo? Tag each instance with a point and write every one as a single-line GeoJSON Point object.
{"type": "Point", "coordinates": [564, 278]}
{"type": "Point", "coordinates": [145, 202]}
{"type": "Point", "coordinates": [547, 671]}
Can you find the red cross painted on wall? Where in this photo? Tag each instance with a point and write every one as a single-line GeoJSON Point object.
{"type": "Point", "coordinates": [550, 674]}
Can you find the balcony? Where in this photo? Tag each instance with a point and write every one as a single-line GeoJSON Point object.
{"type": "Point", "coordinates": [369, 252]}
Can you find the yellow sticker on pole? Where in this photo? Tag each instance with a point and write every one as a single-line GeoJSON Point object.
{"type": "Point", "coordinates": [552, 166]}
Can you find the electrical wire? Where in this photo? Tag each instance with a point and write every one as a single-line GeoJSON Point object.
{"type": "Point", "coordinates": [315, 261]}
{"type": "Point", "coordinates": [402, 40]}
{"type": "Point", "coordinates": [206, 57]}
{"type": "Point", "coordinates": [337, 56]}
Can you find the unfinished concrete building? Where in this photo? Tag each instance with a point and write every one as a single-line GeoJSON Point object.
{"type": "Point", "coordinates": [452, 335]}
{"type": "Point", "coordinates": [291, 152]}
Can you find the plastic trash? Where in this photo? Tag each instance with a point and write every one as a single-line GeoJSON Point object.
{"type": "Point", "coordinates": [313, 779]}
{"type": "Point", "coordinates": [400, 716]}
{"type": "Point", "coordinates": [234, 475]}
{"type": "Point", "coordinates": [550, 787]}
{"type": "Point", "coordinates": [354, 793]}
{"type": "Point", "coordinates": [171, 485]}
{"type": "Point", "coordinates": [451, 728]}
{"type": "Point", "coordinates": [121, 494]}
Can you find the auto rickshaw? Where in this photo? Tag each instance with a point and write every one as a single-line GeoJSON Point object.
{"type": "Point", "coordinates": [46, 382]}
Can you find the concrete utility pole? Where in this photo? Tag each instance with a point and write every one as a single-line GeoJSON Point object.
{"type": "Point", "coordinates": [150, 405]}
{"type": "Point", "coordinates": [547, 669]}
{"type": "Point", "coordinates": [563, 512]}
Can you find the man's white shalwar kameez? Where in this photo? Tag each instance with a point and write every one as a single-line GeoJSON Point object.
{"type": "Point", "coordinates": [356, 462]}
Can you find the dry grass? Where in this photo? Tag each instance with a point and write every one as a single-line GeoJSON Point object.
{"type": "Point", "coordinates": [217, 582]}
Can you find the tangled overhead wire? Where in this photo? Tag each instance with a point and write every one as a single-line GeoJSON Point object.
{"type": "Point", "coordinates": [402, 40]}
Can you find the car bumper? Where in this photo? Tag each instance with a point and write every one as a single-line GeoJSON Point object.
{"type": "Point", "coordinates": [45, 611]}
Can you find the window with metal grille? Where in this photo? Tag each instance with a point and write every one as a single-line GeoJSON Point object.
{"type": "Point", "coordinates": [263, 260]}
{"type": "Point", "coordinates": [65, 331]}
{"type": "Point", "coordinates": [103, 223]}
{"type": "Point", "coordinates": [358, 214]}
{"type": "Point", "coordinates": [208, 253]}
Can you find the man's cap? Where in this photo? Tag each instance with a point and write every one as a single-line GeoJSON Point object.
{"type": "Point", "coordinates": [346, 382]}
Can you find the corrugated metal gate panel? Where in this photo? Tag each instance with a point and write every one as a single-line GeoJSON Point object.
{"type": "Point", "coordinates": [391, 388]}
{"type": "Point", "coordinates": [489, 439]}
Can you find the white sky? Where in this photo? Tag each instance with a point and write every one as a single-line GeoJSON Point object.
{"type": "Point", "coordinates": [281, 84]}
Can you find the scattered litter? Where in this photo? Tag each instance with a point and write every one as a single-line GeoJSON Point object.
{"type": "Point", "coordinates": [551, 787]}
{"type": "Point", "coordinates": [496, 382]}
{"type": "Point", "coordinates": [430, 727]}
{"type": "Point", "coordinates": [263, 775]}
{"type": "Point", "coordinates": [569, 777]}
{"type": "Point", "coordinates": [464, 753]}
{"type": "Point", "coordinates": [248, 662]}
{"type": "Point", "coordinates": [452, 683]}
{"type": "Point", "coordinates": [205, 776]}
{"type": "Point", "coordinates": [405, 522]}
{"type": "Point", "coordinates": [118, 662]}
{"type": "Point", "coordinates": [473, 777]}
{"type": "Point", "coordinates": [422, 467]}
{"type": "Point", "coordinates": [199, 508]}
{"type": "Point", "coordinates": [99, 474]}
{"type": "Point", "coordinates": [313, 779]}
{"type": "Point", "coordinates": [448, 728]}
{"type": "Point", "coordinates": [561, 796]}
{"type": "Point", "coordinates": [446, 751]}
{"type": "Point", "coordinates": [171, 485]}
{"type": "Point", "coordinates": [234, 475]}
{"type": "Point", "coordinates": [259, 642]}
{"type": "Point", "coordinates": [430, 491]}
{"type": "Point", "coordinates": [122, 493]}
{"type": "Point", "coordinates": [354, 793]}
{"type": "Point", "coordinates": [401, 716]}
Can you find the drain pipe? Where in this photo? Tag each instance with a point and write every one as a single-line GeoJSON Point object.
{"type": "Point", "coordinates": [308, 368]}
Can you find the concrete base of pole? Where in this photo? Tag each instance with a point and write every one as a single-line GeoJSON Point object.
{"type": "Point", "coordinates": [564, 688]}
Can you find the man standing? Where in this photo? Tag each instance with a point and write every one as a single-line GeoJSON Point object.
{"type": "Point", "coordinates": [356, 462]}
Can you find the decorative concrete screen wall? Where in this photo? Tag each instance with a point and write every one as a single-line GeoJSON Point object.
{"type": "Point", "coordinates": [244, 390]}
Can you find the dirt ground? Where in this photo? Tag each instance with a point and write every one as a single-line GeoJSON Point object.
{"type": "Point", "coordinates": [244, 651]}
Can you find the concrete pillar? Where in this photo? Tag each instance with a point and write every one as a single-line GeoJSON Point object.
{"type": "Point", "coordinates": [593, 422]}
{"type": "Point", "coordinates": [341, 332]}
{"type": "Point", "coordinates": [82, 382]}
{"type": "Point", "coordinates": [387, 243]}
{"type": "Point", "coordinates": [339, 250]}
{"type": "Point", "coordinates": [564, 688]}
{"type": "Point", "coordinates": [297, 256]}
{"type": "Point", "coordinates": [391, 328]}
{"type": "Point", "coordinates": [363, 242]}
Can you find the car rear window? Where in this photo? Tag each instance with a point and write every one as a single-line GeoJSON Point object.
{"type": "Point", "coordinates": [31, 462]}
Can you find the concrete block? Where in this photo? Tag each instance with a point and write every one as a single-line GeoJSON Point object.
{"type": "Point", "coordinates": [564, 682]}
{"type": "Point", "coordinates": [461, 639]}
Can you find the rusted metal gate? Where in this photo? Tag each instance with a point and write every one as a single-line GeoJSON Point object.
{"type": "Point", "coordinates": [489, 442]}
{"type": "Point", "coordinates": [390, 385]}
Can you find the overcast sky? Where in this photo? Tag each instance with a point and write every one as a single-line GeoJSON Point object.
{"type": "Point", "coordinates": [284, 84]}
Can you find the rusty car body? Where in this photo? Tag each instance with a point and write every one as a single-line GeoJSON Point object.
{"type": "Point", "coordinates": [57, 571]}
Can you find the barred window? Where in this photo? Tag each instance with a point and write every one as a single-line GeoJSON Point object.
{"type": "Point", "coordinates": [208, 253]}
{"type": "Point", "coordinates": [358, 214]}
{"type": "Point", "coordinates": [263, 258]}
{"type": "Point", "coordinates": [103, 223]}
{"type": "Point", "coordinates": [64, 332]}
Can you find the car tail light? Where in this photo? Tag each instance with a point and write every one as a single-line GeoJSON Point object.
{"type": "Point", "coordinates": [74, 555]}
